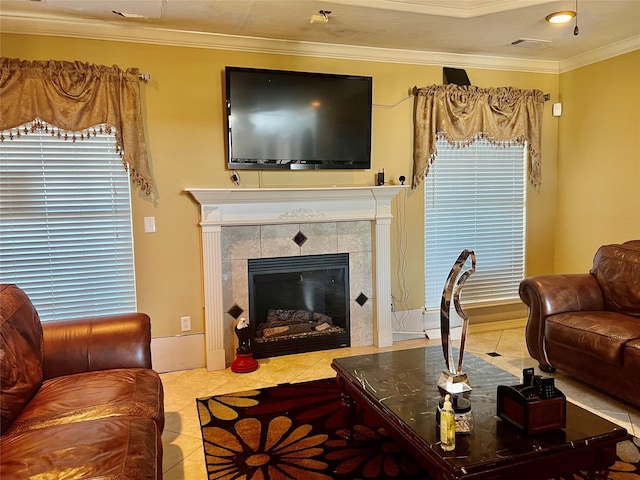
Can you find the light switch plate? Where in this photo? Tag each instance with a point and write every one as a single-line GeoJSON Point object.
{"type": "Point", "coordinates": [149, 224]}
{"type": "Point", "coordinates": [185, 324]}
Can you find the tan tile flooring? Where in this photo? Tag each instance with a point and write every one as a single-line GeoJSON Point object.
{"type": "Point", "coordinates": [183, 455]}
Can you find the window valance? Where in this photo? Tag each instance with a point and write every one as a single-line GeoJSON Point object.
{"type": "Point", "coordinates": [463, 114]}
{"type": "Point", "coordinates": [76, 96]}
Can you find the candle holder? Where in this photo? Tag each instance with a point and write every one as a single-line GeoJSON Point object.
{"type": "Point", "coordinates": [453, 380]}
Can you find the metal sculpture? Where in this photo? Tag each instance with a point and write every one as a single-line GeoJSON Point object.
{"type": "Point", "coordinates": [452, 379]}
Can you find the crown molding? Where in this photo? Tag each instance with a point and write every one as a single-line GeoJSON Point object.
{"type": "Point", "coordinates": [599, 54]}
{"type": "Point", "coordinates": [457, 9]}
{"type": "Point", "coordinates": [95, 30]}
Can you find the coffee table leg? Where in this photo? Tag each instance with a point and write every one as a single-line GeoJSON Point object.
{"type": "Point", "coordinates": [604, 457]}
{"type": "Point", "coordinates": [598, 474]}
{"type": "Point", "coordinates": [348, 413]}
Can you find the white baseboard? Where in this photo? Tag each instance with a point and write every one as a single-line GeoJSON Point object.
{"type": "Point", "coordinates": [497, 325]}
{"type": "Point", "coordinates": [186, 352]}
{"type": "Point", "coordinates": [412, 324]}
{"type": "Point", "coordinates": [182, 352]}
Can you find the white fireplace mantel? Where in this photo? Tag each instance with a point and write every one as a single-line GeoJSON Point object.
{"type": "Point", "coordinates": [221, 207]}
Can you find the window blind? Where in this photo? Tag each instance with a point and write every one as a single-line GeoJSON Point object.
{"type": "Point", "coordinates": [65, 225]}
{"type": "Point", "coordinates": [475, 199]}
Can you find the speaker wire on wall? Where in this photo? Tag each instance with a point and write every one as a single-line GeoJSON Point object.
{"type": "Point", "coordinates": [402, 263]}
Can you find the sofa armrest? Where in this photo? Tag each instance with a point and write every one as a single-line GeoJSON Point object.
{"type": "Point", "coordinates": [96, 343]}
{"type": "Point", "coordinates": [547, 295]}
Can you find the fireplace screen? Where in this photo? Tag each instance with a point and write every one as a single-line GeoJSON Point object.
{"type": "Point", "coordinates": [299, 304]}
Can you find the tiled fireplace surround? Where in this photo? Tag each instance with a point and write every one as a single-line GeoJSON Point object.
{"type": "Point", "coordinates": [238, 224]}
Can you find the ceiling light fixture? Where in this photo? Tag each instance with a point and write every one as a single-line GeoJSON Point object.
{"type": "Point", "coordinates": [561, 17]}
{"type": "Point", "coordinates": [321, 17]}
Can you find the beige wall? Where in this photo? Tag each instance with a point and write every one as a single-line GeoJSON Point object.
{"type": "Point", "coordinates": [184, 125]}
{"type": "Point", "coordinates": [599, 160]}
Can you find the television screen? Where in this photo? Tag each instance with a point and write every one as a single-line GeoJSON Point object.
{"type": "Point", "coordinates": [297, 120]}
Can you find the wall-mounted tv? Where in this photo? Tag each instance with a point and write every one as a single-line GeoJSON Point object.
{"type": "Point", "coordinates": [297, 120]}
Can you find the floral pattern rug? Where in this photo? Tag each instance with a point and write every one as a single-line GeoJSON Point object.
{"type": "Point", "coordinates": [295, 432]}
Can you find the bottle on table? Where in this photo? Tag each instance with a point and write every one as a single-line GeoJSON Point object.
{"type": "Point", "coordinates": [447, 426]}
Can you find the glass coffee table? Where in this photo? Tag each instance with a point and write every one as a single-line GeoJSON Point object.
{"type": "Point", "coordinates": [400, 388]}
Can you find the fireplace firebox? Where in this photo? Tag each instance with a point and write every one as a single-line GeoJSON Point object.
{"type": "Point", "coordinates": [298, 304]}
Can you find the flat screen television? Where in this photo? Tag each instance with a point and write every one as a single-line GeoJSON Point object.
{"type": "Point", "coordinates": [297, 120]}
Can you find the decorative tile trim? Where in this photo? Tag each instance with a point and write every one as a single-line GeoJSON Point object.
{"type": "Point", "coordinates": [302, 213]}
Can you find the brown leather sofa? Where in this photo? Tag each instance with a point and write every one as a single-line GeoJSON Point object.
{"type": "Point", "coordinates": [79, 398]}
{"type": "Point", "coordinates": [588, 325]}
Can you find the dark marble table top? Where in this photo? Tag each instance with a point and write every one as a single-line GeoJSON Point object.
{"type": "Point", "coordinates": [404, 382]}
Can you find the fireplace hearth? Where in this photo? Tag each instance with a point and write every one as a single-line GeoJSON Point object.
{"type": "Point", "coordinates": [299, 304]}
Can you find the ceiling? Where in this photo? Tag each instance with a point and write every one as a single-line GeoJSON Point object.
{"type": "Point", "coordinates": [477, 28]}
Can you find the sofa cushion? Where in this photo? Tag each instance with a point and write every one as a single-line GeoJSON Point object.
{"type": "Point", "coordinates": [617, 269]}
{"type": "Point", "coordinates": [93, 395]}
{"type": "Point", "coordinates": [602, 335]}
{"type": "Point", "coordinates": [108, 449]}
{"type": "Point", "coordinates": [21, 351]}
{"type": "Point", "coordinates": [632, 356]}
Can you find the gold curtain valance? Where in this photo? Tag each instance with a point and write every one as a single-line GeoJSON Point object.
{"type": "Point", "coordinates": [76, 96]}
{"type": "Point", "coordinates": [463, 114]}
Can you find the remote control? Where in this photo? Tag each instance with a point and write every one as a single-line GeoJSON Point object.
{"type": "Point", "coordinates": [547, 388]}
{"type": "Point", "coordinates": [527, 376]}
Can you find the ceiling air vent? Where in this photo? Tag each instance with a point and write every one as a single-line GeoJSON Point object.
{"type": "Point", "coordinates": [531, 43]}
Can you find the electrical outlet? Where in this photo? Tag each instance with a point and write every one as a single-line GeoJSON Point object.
{"type": "Point", "coordinates": [185, 323]}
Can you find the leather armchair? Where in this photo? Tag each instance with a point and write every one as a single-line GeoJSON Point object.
{"type": "Point", "coordinates": [588, 325]}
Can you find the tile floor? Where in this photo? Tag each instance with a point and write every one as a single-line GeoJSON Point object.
{"type": "Point", "coordinates": [183, 454]}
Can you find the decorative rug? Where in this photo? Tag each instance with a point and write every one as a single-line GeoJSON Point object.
{"type": "Point", "coordinates": [295, 432]}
